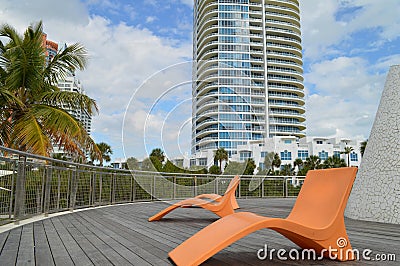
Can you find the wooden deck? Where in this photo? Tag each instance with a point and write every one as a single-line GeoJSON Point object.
{"type": "Point", "coordinates": [121, 235]}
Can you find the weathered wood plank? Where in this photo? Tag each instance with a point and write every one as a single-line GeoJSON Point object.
{"type": "Point", "coordinates": [93, 254]}
{"type": "Point", "coordinates": [9, 252]}
{"type": "Point", "coordinates": [102, 246]}
{"type": "Point", "coordinates": [43, 254]}
{"type": "Point", "coordinates": [57, 238]}
{"type": "Point", "coordinates": [59, 253]}
{"type": "Point", "coordinates": [26, 251]}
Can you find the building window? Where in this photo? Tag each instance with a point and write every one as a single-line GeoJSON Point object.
{"type": "Point", "coordinates": [263, 154]}
{"type": "Point", "coordinates": [336, 154]}
{"type": "Point", "coordinates": [288, 141]}
{"type": "Point", "coordinates": [323, 155]}
{"type": "Point", "coordinates": [286, 156]}
{"type": "Point", "coordinates": [354, 157]}
{"type": "Point", "coordinates": [262, 166]}
{"type": "Point", "coordinates": [202, 161]}
{"type": "Point", "coordinates": [244, 155]}
{"type": "Point", "coordinates": [319, 142]}
{"type": "Point", "coordinates": [192, 162]}
{"type": "Point", "coordinates": [302, 154]}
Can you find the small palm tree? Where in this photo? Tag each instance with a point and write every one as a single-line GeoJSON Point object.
{"type": "Point", "coordinates": [32, 118]}
{"type": "Point", "coordinates": [334, 162]}
{"type": "Point", "coordinates": [287, 170]}
{"type": "Point", "coordinates": [299, 163]}
{"type": "Point", "coordinates": [106, 152]}
{"type": "Point", "coordinates": [221, 155]}
{"type": "Point", "coordinates": [269, 158]}
{"type": "Point", "coordinates": [313, 162]}
{"type": "Point", "coordinates": [159, 154]}
{"type": "Point", "coordinates": [276, 162]}
{"type": "Point", "coordinates": [363, 146]}
{"type": "Point", "coordinates": [347, 151]}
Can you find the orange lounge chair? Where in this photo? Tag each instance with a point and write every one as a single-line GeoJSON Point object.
{"type": "Point", "coordinates": [220, 205]}
{"type": "Point", "coordinates": [315, 222]}
{"type": "Point", "coordinates": [218, 198]}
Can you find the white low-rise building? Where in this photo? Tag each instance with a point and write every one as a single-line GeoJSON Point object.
{"type": "Point", "coordinates": [288, 148]}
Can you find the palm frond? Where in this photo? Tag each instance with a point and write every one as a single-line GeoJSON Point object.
{"type": "Point", "coordinates": [56, 120]}
{"type": "Point", "coordinates": [29, 136]}
{"type": "Point", "coordinates": [71, 58]}
{"type": "Point", "coordinates": [69, 99]}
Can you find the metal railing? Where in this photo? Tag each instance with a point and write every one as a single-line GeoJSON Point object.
{"type": "Point", "coordinates": [33, 185]}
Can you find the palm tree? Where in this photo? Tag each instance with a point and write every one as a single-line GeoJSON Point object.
{"type": "Point", "coordinates": [106, 152]}
{"type": "Point", "coordinates": [287, 170]}
{"type": "Point", "coordinates": [221, 155]}
{"type": "Point", "coordinates": [299, 163]}
{"type": "Point", "coordinates": [269, 158]}
{"type": "Point", "coordinates": [276, 162]}
{"type": "Point", "coordinates": [363, 146]}
{"type": "Point", "coordinates": [347, 150]}
{"type": "Point", "coordinates": [313, 162]}
{"type": "Point", "coordinates": [159, 154]}
{"type": "Point", "coordinates": [334, 162]}
{"type": "Point", "coordinates": [250, 166]}
{"type": "Point", "coordinates": [132, 163]}
{"type": "Point", "coordinates": [32, 118]}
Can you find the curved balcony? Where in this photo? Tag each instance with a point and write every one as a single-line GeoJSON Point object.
{"type": "Point", "coordinates": [294, 4]}
{"type": "Point", "coordinates": [294, 12]}
{"type": "Point", "coordinates": [288, 114]}
{"type": "Point", "coordinates": [279, 15]}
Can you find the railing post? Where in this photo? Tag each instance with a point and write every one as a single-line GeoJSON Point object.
{"type": "Point", "coordinates": [93, 189]}
{"type": "Point", "coordinates": [10, 211]}
{"type": "Point", "coordinates": [262, 187]}
{"type": "Point", "coordinates": [174, 189]}
{"type": "Point", "coordinates": [20, 192]}
{"type": "Point", "coordinates": [285, 187]}
{"type": "Point", "coordinates": [74, 189]}
{"type": "Point", "coordinates": [133, 188]}
{"type": "Point", "coordinates": [100, 189]}
{"type": "Point", "coordinates": [195, 186]}
{"type": "Point", "coordinates": [49, 173]}
{"type": "Point", "coordinates": [113, 188]}
{"type": "Point", "coordinates": [153, 188]}
{"type": "Point", "coordinates": [239, 189]}
{"type": "Point", "coordinates": [58, 190]}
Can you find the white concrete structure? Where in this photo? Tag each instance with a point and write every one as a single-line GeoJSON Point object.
{"type": "Point", "coordinates": [376, 191]}
{"type": "Point", "coordinates": [248, 75]}
{"type": "Point", "coordinates": [288, 148]}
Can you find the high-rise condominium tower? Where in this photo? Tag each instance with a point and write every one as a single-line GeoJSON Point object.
{"type": "Point", "coordinates": [248, 73]}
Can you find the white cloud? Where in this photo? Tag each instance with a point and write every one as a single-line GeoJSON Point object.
{"type": "Point", "coordinates": [187, 2]}
{"type": "Point", "coordinates": [121, 58]}
{"type": "Point", "coordinates": [345, 98]}
{"type": "Point", "coordinates": [150, 19]}
{"type": "Point", "coordinates": [323, 33]}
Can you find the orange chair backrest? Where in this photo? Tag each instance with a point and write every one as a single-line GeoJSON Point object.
{"type": "Point", "coordinates": [323, 196]}
{"type": "Point", "coordinates": [233, 184]}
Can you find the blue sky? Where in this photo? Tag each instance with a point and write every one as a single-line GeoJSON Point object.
{"type": "Point", "coordinates": [139, 68]}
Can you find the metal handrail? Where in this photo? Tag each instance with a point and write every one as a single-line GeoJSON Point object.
{"type": "Point", "coordinates": [32, 185]}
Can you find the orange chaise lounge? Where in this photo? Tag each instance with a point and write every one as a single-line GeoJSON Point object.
{"type": "Point", "coordinates": [315, 222]}
{"type": "Point", "coordinates": [220, 205]}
